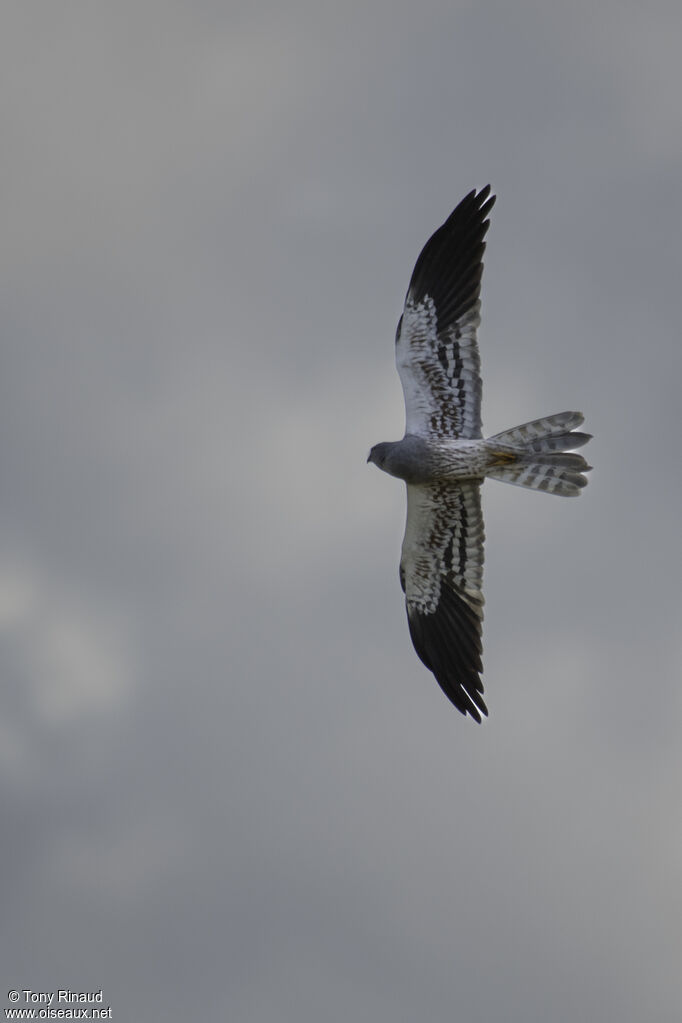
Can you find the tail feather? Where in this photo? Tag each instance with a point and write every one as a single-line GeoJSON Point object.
{"type": "Point", "coordinates": [541, 477]}
{"type": "Point", "coordinates": [559, 442]}
{"type": "Point", "coordinates": [543, 434]}
{"type": "Point", "coordinates": [539, 455]}
{"type": "Point", "coordinates": [558, 460]}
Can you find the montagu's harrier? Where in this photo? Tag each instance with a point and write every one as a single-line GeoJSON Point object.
{"type": "Point", "coordinates": [444, 458]}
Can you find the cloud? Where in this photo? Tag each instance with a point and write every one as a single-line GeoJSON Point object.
{"type": "Point", "coordinates": [220, 757]}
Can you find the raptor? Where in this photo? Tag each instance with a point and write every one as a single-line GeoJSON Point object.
{"type": "Point", "coordinates": [444, 458]}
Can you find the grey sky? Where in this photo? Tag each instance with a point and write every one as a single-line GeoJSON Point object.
{"type": "Point", "coordinates": [229, 789]}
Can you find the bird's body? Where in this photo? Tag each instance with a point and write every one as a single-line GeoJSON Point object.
{"type": "Point", "coordinates": [443, 457]}
{"type": "Point", "coordinates": [418, 460]}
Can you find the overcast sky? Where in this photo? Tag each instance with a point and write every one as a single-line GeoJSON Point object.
{"type": "Point", "coordinates": [228, 788]}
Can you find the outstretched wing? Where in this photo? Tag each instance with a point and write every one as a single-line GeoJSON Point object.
{"type": "Point", "coordinates": [441, 573]}
{"type": "Point", "coordinates": [436, 350]}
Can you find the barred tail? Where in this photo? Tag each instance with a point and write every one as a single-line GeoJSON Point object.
{"type": "Point", "coordinates": [536, 455]}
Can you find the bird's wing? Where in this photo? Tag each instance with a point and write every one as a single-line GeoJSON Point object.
{"type": "Point", "coordinates": [436, 350]}
{"type": "Point", "coordinates": [441, 573]}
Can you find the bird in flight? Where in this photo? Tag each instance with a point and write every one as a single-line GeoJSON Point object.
{"type": "Point", "coordinates": [443, 457]}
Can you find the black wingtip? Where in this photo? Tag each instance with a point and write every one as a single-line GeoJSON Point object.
{"type": "Point", "coordinates": [448, 642]}
{"type": "Point", "coordinates": [449, 267]}
{"type": "Point", "coordinates": [483, 204]}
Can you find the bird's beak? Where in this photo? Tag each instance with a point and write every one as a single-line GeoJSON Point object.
{"type": "Point", "coordinates": [369, 456]}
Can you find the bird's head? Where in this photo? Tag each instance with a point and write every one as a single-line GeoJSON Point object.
{"type": "Point", "coordinates": [379, 453]}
